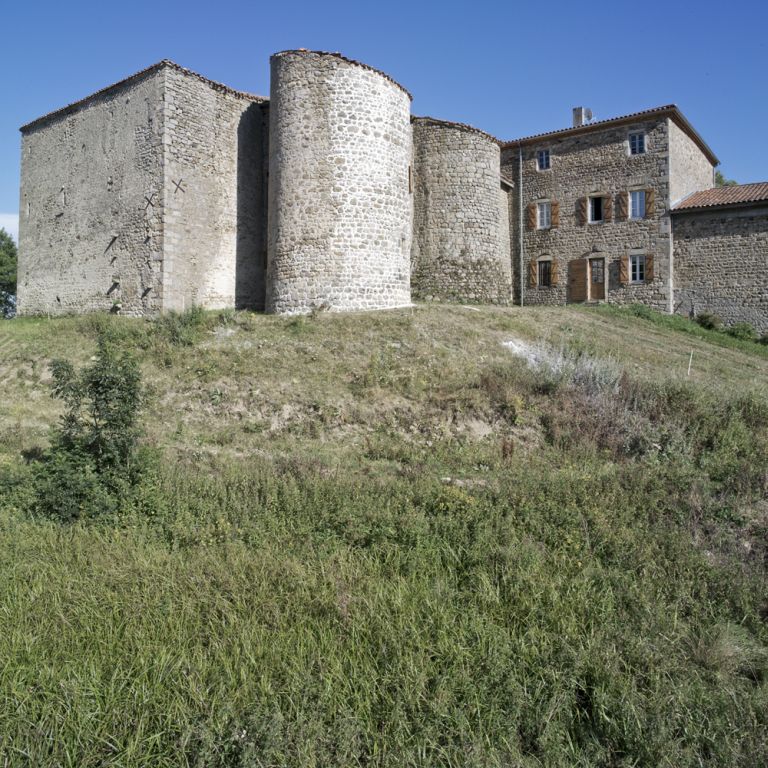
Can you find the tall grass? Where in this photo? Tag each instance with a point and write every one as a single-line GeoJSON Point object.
{"type": "Point", "coordinates": [583, 586]}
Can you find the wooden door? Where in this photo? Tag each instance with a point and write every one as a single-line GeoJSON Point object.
{"type": "Point", "coordinates": [577, 280]}
{"type": "Point", "coordinates": [597, 279]}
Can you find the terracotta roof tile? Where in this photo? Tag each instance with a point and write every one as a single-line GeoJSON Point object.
{"type": "Point", "coordinates": [733, 195]}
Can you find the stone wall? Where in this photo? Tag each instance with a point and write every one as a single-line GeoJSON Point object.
{"type": "Point", "coordinates": [215, 198]}
{"type": "Point", "coordinates": [340, 208]}
{"type": "Point", "coordinates": [689, 169]}
{"type": "Point", "coordinates": [595, 162]}
{"type": "Point", "coordinates": [721, 264]}
{"type": "Point", "coordinates": [461, 227]}
{"type": "Point", "coordinates": [88, 237]}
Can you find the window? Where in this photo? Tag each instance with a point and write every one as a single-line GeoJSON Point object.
{"type": "Point", "coordinates": [544, 215]}
{"type": "Point", "coordinates": [595, 209]}
{"type": "Point", "coordinates": [637, 204]}
{"type": "Point", "coordinates": [542, 160]}
{"type": "Point", "coordinates": [637, 268]}
{"type": "Point", "coordinates": [545, 274]}
{"type": "Point", "coordinates": [636, 143]}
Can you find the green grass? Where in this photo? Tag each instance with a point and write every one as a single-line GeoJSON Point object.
{"type": "Point", "coordinates": [381, 540]}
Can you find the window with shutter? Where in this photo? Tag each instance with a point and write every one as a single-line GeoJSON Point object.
{"type": "Point", "coordinates": [553, 273]}
{"type": "Point", "coordinates": [530, 217]}
{"type": "Point", "coordinates": [648, 267]}
{"type": "Point", "coordinates": [637, 268]}
{"type": "Point", "coordinates": [532, 273]}
{"type": "Point", "coordinates": [622, 208]}
{"type": "Point", "coordinates": [581, 211]}
{"type": "Point", "coordinates": [555, 213]}
{"type": "Point", "coordinates": [649, 203]}
{"type": "Point", "coordinates": [545, 273]}
{"type": "Point", "coordinates": [544, 214]}
{"type": "Point", "coordinates": [624, 270]}
{"type": "Point", "coordinates": [596, 209]}
{"type": "Point", "coordinates": [637, 200]}
{"type": "Point", "coordinates": [607, 208]}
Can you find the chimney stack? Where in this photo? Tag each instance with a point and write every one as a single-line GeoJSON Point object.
{"type": "Point", "coordinates": [581, 115]}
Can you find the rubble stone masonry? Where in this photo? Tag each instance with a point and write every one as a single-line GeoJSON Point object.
{"type": "Point", "coordinates": [721, 264]}
{"type": "Point", "coordinates": [340, 206]}
{"type": "Point", "coordinates": [461, 222]}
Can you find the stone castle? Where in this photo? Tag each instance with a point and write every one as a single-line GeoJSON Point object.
{"type": "Point", "coordinates": [168, 190]}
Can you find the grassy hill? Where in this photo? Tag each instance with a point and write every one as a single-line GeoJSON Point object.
{"type": "Point", "coordinates": [454, 536]}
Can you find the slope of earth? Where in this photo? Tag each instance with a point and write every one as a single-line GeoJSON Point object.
{"type": "Point", "coordinates": [438, 536]}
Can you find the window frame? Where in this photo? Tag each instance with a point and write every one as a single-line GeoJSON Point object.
{"type": "Point", "coordinates": [630, 215]}
{"type": "Point", "coordinates": [546, 205]}
{"type": "Point", "coordinates": [539, 153]}
{"type": "Point", "coordinates": [544, 271]}
{"type": "Point", "coordinates": [641, 135]}
{"type": "Point", "coordinates": [637, 264]}
{"type": "Point", "coordinates": [590, 219]}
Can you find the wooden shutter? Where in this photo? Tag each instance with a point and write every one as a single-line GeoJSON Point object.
{"type": "Point", "coordinates": [530, 218]}
{"type": "Point", "coordinates": [533, 273]}
{"type": "Point", "coordinates": [624, 270]}
{"type": "Point", "coordinates": [649, 268]}
{"type": "Point", "coordinates": [553, 272]}
{"type": "Point", "coordinates": [650, 203]}
{"type": "Point", "coordinates": [555, 208]}
{"type": "Point", "coordinates": [607, 208]}
{"type": "Point", "coordinates": [622, 210]}
{"type": "Point", "coordinates": [581, 211]}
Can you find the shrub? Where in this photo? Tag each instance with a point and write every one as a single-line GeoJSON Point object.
{"type": "Point", "coordinates": [709, 321]}
{"type": "Point", "coordinates": [93, 461]}
{"type": "Point", "coordinates": [763, 339]}
{"type": "Point", "coordinates": [742, 331]}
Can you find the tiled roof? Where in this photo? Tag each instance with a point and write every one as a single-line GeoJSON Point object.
{"type": "Point", "coordinates": [733, 195]}
{"type": "Point", "coordinates": [74, 106]}
{"type": "Point", "coordinates": [668, 110]}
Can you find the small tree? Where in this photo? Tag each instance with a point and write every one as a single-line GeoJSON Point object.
{"type": "Point", "coordinates": [8, 259]}
{"type": "Point", "coordinates": [721, 181]}
{"type": "Point", "coordinates": [92, 465]}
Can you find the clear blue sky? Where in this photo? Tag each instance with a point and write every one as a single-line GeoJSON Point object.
{"type": "Point", "coordinates": [509, 68]}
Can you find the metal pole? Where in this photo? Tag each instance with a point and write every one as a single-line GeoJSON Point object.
{"type": "Point", "coordinates": [520, 219]}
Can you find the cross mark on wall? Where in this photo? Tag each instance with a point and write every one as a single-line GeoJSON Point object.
{"type": "Point", "coordinates": [178, 186]}
{"type": "Point", "coordinates": [149, 201]}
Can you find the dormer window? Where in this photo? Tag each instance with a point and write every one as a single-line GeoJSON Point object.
{"type": "Point", "coordinates": [637, 143]}
{"type": "Point", "coordinates": [542, 160]}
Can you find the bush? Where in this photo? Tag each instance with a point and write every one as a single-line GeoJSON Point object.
{"type": "Point", "coordinates": [763, 339]}
{"type": "Point", "coordinates": [709, 321]}
{"type": "Point", "coordinates": [93, 461]}
{"type": "Point", "coordinates": [742, 331]}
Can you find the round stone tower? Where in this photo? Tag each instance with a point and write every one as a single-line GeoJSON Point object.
{"type": "Point", "coordinates": [340, 202]}
{"type": "Point", "coordinates": [461, 245]}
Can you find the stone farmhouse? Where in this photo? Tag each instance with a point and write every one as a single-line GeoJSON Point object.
{"type": "Point", "coordinates": [168, 190]}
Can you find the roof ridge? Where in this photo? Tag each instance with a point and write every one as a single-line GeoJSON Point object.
{"type": "Point", "coordinates": [671, 109]}
{"type": "Point", "coordinates": [342, 57]}
{"type": "Point", "coordinates": [452, 124]}
{"type": "Point", "coordinates": [75, 105]}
